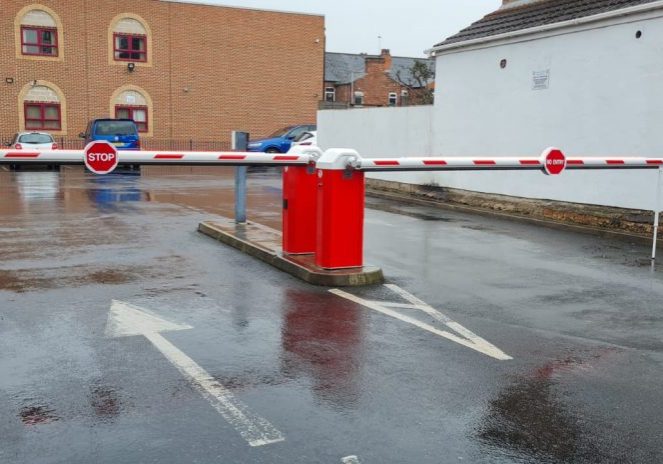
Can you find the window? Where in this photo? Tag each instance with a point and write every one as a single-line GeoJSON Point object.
{"type": "Point", "coordinates": [131, 102]}
{"type": "Point", "coordinates": [45, 116]}
{"type": "Point", "coordinates": [297, 132]}
{"type": "Point", "coordinates": [359, 98]}
{"type": "Point", "coordinates": [35, 138]}
{"type": "Point", "coordinates": [40, 41]}
{"type": "Point", "coordinates": [137, 113]}
{"type": "Point", "coordinates": [393, 98]}
{"type": "Point", "coordinates": [330, 94]}
{"type": "Point", "coordinates": [38, 33]}
{"type": "Point", "coordinates": [130, 47]}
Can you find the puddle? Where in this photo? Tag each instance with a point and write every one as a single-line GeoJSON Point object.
{"type": "Point", "coordinates": [23, 280]}
{"type": "Point", "coordinates": [532, 420]}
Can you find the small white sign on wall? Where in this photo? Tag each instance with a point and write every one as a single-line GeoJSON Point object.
{"type": "Point", "coordinates": [541, 80]}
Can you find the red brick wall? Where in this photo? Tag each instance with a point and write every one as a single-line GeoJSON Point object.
{"type": "Point", "coordinates": [242, 69]}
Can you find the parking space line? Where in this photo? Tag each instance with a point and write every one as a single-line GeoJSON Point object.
{"type": "Point", "coordinates": [467, 338]}
{"type": "Point", "coordinates": [126, 320]}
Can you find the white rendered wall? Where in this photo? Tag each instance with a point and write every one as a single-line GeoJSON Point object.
{"type": "Point", "coordinates": [383, 132]}
{"type": "Point", "coordinates": [605, 98]}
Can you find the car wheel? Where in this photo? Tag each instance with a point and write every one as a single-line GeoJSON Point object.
{"type": "Point", "coordinates": [272, 150]}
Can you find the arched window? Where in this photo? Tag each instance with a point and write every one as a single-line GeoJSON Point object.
{"type": "Point", "coordinates": [130, 40]}
{"type": "Point", "coordinates": [42, 108]}
{"type": "Point", "coordinates": [39, 33]}
{"type": "Point", "coordinates": [133, 103]}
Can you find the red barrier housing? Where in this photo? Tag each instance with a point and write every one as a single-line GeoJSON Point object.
{"type": "Point", "coordinates": [340, 219]}
{"type": "Point", "coordinates": [299, 209]}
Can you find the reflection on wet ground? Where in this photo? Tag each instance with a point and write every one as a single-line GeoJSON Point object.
{"type": "Point", "coordinates": [72, 190]}
{"type": "Point", "coordinates": [324, 342]}
{"type": "Point", "coordinates": [534, 420]}
{"type": "Point", "coordinates": [57, 219]}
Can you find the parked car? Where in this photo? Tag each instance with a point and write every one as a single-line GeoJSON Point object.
{"type": "Point", "coordinates": [308, 138]}
{"type": "Point", "coordinates": [33, 141]}
{"type": "Point", "coordinates": [281, 140]}
{"type": "Point", "coordinates": [122, 133]}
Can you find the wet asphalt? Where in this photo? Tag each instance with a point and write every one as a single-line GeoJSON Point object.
{"type": "Point", "coordinates": [581, 316]}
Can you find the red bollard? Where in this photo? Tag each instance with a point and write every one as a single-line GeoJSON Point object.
{"type": "Point", "coordinates": [340, 223]}
{"type": "Point", "coordinates": [299, 209]}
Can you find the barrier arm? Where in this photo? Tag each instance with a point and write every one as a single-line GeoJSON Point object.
{"type": "Point", "coordinates": [551, 161]}
{"type": "Point", "coordinates": [197, 158]}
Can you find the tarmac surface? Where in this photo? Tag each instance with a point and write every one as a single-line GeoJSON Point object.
{"type": "Point", "coordinates": [128, 337]}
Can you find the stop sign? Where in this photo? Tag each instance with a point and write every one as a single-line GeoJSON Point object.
{"type": "Point", "coordinates": [554, 161]}
{"type": "Point", "coordinates": [101, 157]}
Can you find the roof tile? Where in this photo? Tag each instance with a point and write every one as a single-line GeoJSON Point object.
{"type": "Point", "coordinates": [537, 14]}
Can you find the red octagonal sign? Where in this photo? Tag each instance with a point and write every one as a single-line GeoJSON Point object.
{"type": "Point", "coordinates": [554, 161]}
{"type": "Point", "coordinates": [101, 157]}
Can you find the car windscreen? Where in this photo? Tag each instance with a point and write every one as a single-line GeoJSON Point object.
{"type": "Point", "coordinates": [115, 128]}
{"type": "Point", "coordinates": [35, 138]}
{"type": "Point", "coordinates": [281, 132]}
{"type": "Point", "coordinates": [303, 136]}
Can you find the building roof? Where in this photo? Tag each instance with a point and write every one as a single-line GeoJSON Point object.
{"type": "Point", "coordinates": [544, 12]}
{"type": "Point", "coordinates": [343, 68]}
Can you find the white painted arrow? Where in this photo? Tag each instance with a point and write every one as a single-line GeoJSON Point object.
{"type": "Point", "coordinates": [126, 320]}
{"type": "Point", "coordinates": [461, 336]}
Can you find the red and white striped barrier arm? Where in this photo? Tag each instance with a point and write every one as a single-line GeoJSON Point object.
{"type": "Point", "coordinates": [446, 164]}
{"type": "Point", "coordinates": [502, 163]}
{"type": "Point", "coordinates": [160, 158]}
{"type": "Point", "coordinates": [614, 163]}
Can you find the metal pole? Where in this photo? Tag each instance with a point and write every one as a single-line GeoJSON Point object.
{"type": "Point", "coordinates": [657, 213]}
{"type": "Point", "coordinates": [240, 141]}
{"type": "Point", "coordinates": [240, 194]}
{"type": "Point", "coordinates": [352, 87]}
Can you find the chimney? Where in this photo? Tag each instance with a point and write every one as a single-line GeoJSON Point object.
{"type": "Point", "coordinates": [379, 63]}
{"type": "Point", "coordinates": [385, 54]}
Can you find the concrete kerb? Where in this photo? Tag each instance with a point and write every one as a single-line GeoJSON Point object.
{"type": "Point", "coordinates": [264, 243]}
{"type": "Point", "coordinates": [557, 215]}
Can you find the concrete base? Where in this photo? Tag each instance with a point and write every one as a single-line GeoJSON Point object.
{"type": "Point", "coordinates": [264, 243]}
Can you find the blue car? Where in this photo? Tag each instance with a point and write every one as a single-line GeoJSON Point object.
{"type": "Point", "coordinates": [122, 133]}
{"type": "Point", "coordinates": [281, 140]}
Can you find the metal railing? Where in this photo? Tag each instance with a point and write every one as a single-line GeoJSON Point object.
{"type": "Point", "coordinates": [147, 143]}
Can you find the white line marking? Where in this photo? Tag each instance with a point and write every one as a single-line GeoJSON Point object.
{"type": "Point", "coordinates": [126, 320]}
{"type": "Point", "coordinates": [467, 339]}
{"type": "Point", "coordinates": [350, 460]}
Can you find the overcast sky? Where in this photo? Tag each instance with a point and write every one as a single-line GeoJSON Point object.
{"type": "Point", "coordinates": [407, 29]}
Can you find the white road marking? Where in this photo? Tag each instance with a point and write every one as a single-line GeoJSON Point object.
{"type": "Point", "coordinates": [350, 460]}
{"type": "Point", "coordinates": [467, 338]}
{"type": "Point", "coordinates": [126, 320]}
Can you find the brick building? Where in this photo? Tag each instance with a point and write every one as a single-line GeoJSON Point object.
{"type": "Point", "coordinates": [372, 80]}
{"type": "Point", "coordinates": [180, 70]}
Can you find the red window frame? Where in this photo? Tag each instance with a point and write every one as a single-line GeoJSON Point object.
{"type": "Point", "coordinates": [40, 44]}
{"type": "Point", "coordinates": [130, 50]}
{"type": "Point", "coordinates": [41, 122]}
{"type": "Point", "coordinates": [131, 109]}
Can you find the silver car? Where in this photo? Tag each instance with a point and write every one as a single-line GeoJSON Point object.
{"type": "Point", "coordinates": [33, 141]}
